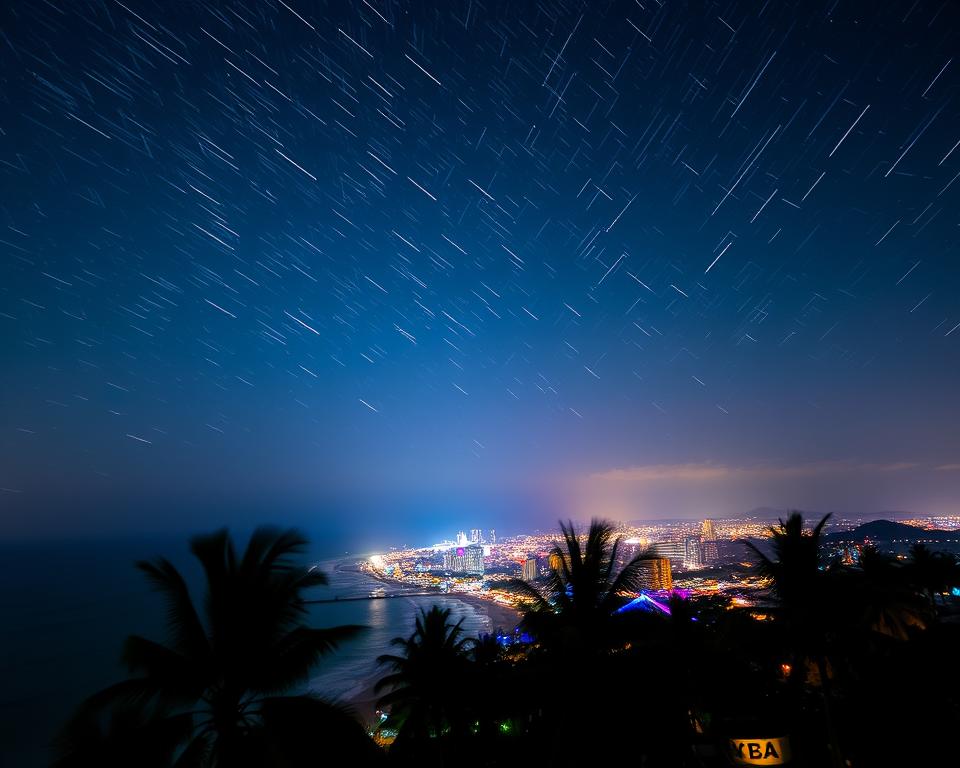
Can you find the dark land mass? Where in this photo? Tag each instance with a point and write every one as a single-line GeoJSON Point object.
{"type": "Point", "coordinates": [889, 530]}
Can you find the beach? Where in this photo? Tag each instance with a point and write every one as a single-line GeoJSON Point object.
{"type": "Point", "coordinates": [363, 701]}
{"type": "Point", "coordinates": [351, 673]}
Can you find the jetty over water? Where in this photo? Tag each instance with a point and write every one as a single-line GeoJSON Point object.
{"type": "Point", "coordinates": [386, 596]}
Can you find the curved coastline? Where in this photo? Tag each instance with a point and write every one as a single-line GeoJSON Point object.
{"type": "Point", "coordinates": [362, 698]}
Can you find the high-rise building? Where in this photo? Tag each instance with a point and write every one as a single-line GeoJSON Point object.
{"type": "Point", "coordinates": [693, 553]}
{"type": "Point", "coordinates": [452, 562]}
{"type": "Point", "coordinates": [476, 535]}
{"type": "Point", "coordinates": [530, 569]}
{"type": "Point", "coordinates": [675, 550]}
{"type": "Point", "coordinates": [493, 536]}
{"type": "Point", "coordinates": [711, 552]}
{"type": "Point", "coordinates": [707, 530]}
{"type": "Point", "coordinates": [474, 560]}
{"type": "Point", "coordinates": [465, 561]}
{"type": "Point", "coordinates": [708, 535]}
{"type": "Point", "coordinates": [655, 574]}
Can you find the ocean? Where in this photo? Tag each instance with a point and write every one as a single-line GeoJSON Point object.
{"type": "Point", "coordinates": [67, 607]}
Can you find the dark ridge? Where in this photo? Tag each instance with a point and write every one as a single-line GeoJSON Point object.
{"type": "Point", "coordinates": [888, 530]}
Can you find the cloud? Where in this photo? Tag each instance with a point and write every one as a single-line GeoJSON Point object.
{"type": "Point", "coordinates": [653, 473]}
{"type": "Point", "coordinates": [650, 474]}
{"type": "Point", "coordinates": [949, 468]}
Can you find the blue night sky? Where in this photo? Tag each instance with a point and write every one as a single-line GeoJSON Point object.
{"type": "Point", "coordinates": [431, 264]}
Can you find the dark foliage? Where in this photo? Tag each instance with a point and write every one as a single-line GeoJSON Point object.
{"type": "Point", "coordinates": [853, 663]}
{"type": "Point", "coordinates": [813, 664]}
{"type": "Point", "coordinates": [222, 691]}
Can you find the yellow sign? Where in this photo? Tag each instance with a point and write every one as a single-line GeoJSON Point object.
{"type": "Point", "coordinates": [760, 751]}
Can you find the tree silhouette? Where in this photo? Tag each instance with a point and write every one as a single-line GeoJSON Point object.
{"type": "Point", "coordinates": [224, 682]}
{"type": "Point", "coordinates": [857, 645]}
{"type": "Point", "coordinates": [584, 663]}
{"type": "Point", "coordinates": [803, 604]}
{"type": "Point", "coordinates": [882, 599]}
{"type": "Point", "coordinates": [574, 610]}
{"type": "Point", "coordinates": [932, 572]}
{"type": "Point", "coordinates": [489, 675]}
{"type": "Point", "coordinates": [421, 688]}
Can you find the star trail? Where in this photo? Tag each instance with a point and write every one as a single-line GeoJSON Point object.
{"type": "Point", "coordinates": [265, 256]}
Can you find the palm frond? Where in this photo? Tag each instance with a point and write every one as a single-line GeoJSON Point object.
{"type": "Point", "coordinates": [628, 579]}
{"type": "Point", "coordinates": [133, 693]}
{"type": "Point", "coordinates": [179, 676]}
{"type": "Point", "coordinates": [530, 593]}
{"type": "Point", "coordinates": [196, 754]}
{"type": "Point", "coordinates": [286, 544]}
{"type": "Point", "coordinates": [187, 633]}
{"type": "Point", "coordinates": [211, 550]}
{"type": "Point", "coordinates": [292, 659]}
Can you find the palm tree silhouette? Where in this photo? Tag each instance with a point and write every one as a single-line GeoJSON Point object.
{"type": "Point", "coordinates": [803, 605]}
{"type": "Point", "coordinates": [489, 675]}
{"type": "Point", "coordinates": [229, 676]}
{"type": "Point", "coordinates": [932, 573]}
{"type": "Point", "coordinates": [575, 608]}
{"type": "Point", "coordinates": [795, 567]}
{"type": "Point", "coordinates": [421, 687]}
{"type": "Point", "coordinates": [887, 603]}
{"type": "Point", "coordinates": [586, 660]}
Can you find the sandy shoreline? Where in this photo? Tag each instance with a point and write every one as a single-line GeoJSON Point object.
{"type": "Point", "coordinates": [502, 617]}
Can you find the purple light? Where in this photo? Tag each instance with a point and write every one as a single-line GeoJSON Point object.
{"type": "Point", "coordinates": [642, 598]}
{"type": "Point", "coordinates": [660, 606]}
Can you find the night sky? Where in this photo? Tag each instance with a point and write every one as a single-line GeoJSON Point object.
{"type": "Point", "coordinates": [426, 264]}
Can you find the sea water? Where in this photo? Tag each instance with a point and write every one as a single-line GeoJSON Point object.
{"type": "Point", "coordinates": [67, 606]}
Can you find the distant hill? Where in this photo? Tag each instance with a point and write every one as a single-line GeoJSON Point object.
{"type": "Point", "coordinates": [888, 530]}
{"type": "Point", "coordinates": [759, 513]}
{"type": "Point", "coordinates": [774, 514]}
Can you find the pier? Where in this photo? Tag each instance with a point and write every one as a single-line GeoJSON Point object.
{"type": "Point", "coordinates": [376, 597]}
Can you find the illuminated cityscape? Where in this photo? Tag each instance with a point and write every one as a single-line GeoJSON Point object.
{"type": "Point", "coordinates": [698, 558]}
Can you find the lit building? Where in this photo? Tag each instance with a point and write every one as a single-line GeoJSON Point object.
{"type": "Point", "coordinates": [493, 536]}
{"type": "Point", "coordinates": [451, 560]}
{"type": "Point", "coordinates": [530, 569]}
{"type": "Point", "coordinates": [707, 531]}
{"type": "Point", "coordinates": [462, 540]}
{"type": "Point", "coordinates": [476, 535]}
{"type": "Point", "coordinates": [655, 574]}
{"type": "Point", "coordinates": [467, 561]}
{"type": "Point", "coordinates": [474, 558]}
{"type": "Point", "coordinates": [711, 552]}
{"type": "Point", "coordinates": [676, 551]}
{"type": "Point", "coordinates": [693, 553]}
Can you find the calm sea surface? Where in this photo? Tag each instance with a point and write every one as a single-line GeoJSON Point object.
{"type": "Point", "coordinates": [66, 607]}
